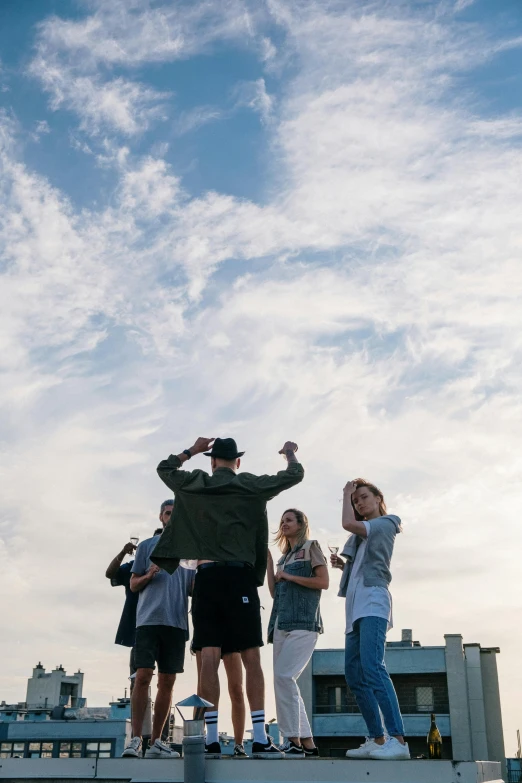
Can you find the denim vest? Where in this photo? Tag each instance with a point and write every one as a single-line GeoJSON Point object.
{"type": "Point", "coordinates": [377, 557]}
{"type": "Point", "coordinates": [296, 608]}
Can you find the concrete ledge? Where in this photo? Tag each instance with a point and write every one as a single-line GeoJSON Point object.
{"type": "Point", "coordinates": [250, 771]}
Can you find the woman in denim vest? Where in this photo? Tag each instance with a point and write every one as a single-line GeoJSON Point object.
{"type": "Point", "coordinates": [295, 624]}
{"type": "Point", "coordinates": [365, 580]}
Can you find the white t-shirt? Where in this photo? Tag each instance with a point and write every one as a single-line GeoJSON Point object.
{"type": "Point", "coordinates": [362, 601]}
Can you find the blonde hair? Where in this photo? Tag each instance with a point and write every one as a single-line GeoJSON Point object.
{"type": "Point", "coordinates": [282, 541]}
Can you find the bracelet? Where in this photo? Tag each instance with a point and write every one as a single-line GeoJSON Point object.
{"type": "Point", "coordinates": [187, 452]}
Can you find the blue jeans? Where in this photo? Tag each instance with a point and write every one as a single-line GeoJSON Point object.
{"type": "Point", "coordinates": [368, 679]}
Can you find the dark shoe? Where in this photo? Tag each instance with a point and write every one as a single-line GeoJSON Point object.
{"type": "Point", "coordinates": [291, 750]}
{"type": "Point", "coordinates": [213, 751]}
{"type": "Point", "coordinates": [268, 751]}
{"type": "Point", "coordinates": [239, 752]}
{"type": "Point", "coordinates": [311, 753]}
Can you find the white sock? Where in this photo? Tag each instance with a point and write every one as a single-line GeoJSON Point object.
{"type": "Point", "coordinates": [258, 724]}
{"type": "Point", "coordinates": [211, 723]}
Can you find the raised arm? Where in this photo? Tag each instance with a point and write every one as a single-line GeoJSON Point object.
{"type": "Point", "coordinates": [270, 486]}
{"type": "Point", "coordinates": [349, 522]}
{"type": "Point", "coordinates": [169, 469]}
{"type": "Point", "coordinates": [112, 568]}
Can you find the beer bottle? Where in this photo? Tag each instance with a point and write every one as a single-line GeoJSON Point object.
{"type": "Point", "coordinates": [434, 740]}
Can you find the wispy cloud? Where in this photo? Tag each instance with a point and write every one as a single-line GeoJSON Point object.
{"type": "Point", "coordinates": [254, 96]}
{"type": "Point", "coordinates": [193, 119]}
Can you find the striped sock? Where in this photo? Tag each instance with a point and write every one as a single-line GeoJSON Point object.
{"type": "Point", "coordinates": [211, 723]}
{"type": "Point", "coordinates": [258, 724]}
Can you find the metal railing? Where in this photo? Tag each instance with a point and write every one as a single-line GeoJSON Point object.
{"type": "Point", "coordinates": [406, 709]}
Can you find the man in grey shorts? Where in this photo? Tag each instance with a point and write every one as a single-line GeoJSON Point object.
{"type": "Point", "coordinates": [161, 637]}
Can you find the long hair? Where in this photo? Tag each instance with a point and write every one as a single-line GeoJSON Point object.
{"type": "Point", "coordinates": [304, 533]}
{"type": "Point", "coordinates": [360, 482]}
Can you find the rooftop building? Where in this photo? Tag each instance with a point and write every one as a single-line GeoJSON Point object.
{"type": "Point", "coordinates": [456, 681]}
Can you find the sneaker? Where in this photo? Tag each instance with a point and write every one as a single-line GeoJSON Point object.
{"type": "Point", "coordinates": [268, 751]}
{"type": "Point", "coordinates": [158, 750]}
{"type": "Point", "coordinates": [311, 753]}
{"type": "Point", "coordinates": [239, 752]}
{"type": "Point", "coordinates": [213, 751]}
{"type": "Point", "coordinates": [392, 750]}
{"type": "Point", "coordinates": [291, 750]}
{"type": "Point", "coordinates": [132, 748]}
{"type": "Point", "coordinates": [363, 752]}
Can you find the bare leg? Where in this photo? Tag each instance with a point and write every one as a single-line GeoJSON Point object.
{"type": "Point", "coordinates": [162, 704]}
{"type": "Point", "coordinates": [234, 670]}
{"type": "Point", "coordinates": [208, 676]}
{"type": "Point", "coordinates": [255, 681]}
{"type": "Point", "coordinates": [139, 699]}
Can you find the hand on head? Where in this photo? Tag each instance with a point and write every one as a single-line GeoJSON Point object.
{"type": "Point", "coordinates": [350, 488]}
{"type": "Point", "coordinates": [201, 445]}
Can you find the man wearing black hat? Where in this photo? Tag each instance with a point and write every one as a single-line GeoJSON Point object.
{"type": "Point", "coordinates": [221, 521]}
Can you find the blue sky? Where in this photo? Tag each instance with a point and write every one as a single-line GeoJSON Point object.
{"type": "Point", "coordinates": [268, 220]}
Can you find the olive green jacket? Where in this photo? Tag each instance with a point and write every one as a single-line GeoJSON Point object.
{"type": "Point", "coordinates": [219, 517]}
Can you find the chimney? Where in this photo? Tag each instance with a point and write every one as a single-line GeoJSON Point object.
{"type": "Point", "coordinates": [407, 636]}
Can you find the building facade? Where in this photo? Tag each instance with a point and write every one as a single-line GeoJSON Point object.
{"type": "Point", "coordinates": [456, 681]}
{"type": "Point", "coordinates": [54, 721]}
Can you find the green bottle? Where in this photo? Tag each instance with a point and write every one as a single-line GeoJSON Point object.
{"type": "Point", "coordinates": [434, 740]}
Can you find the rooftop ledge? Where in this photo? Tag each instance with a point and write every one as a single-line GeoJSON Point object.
{"type": "Point", "coordinates": [253, 771]}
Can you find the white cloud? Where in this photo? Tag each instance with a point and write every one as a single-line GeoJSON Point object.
{"type": "Point", "coordinates": [118, 104]}
{"type": "Point", "coordinates": [254, 96]}
{"type": "Point", "coordinates": [73, 56]}
{"type": "Point", "coordinates": [193, 119]}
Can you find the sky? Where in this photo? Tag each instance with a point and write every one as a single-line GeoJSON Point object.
{"type": "Point", "coordinates": [271, 220]}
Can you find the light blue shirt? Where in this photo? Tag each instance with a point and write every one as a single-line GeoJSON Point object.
{"type": "Point", "coordinates": [165, 599]}
{"type": "Point", "coordinates": [363, 601]}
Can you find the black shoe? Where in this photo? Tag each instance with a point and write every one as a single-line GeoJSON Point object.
{"type": "Point", "coordinates": [213, 751]}
{"type": "Point", "coordinates": [239, 752]}
{"type": "Point", "coordinates": [291, 750]}
{"type": "Point", "coordinates": [311, 753]}
{"type": "Point", "coordinates": [268, 751]}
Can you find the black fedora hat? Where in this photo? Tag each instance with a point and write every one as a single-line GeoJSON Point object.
{"type": "Point", "coordinates": [224, 448]}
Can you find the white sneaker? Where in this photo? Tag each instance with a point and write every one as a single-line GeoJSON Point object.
{"type": "Point", "coordinates": [392, 750]}
{"type": "Point", "coordinates": [133, 748]}
{"type": "Point", "coordinates": [363, 752]}
{"type": "Point", "coordinates": [158, 750]}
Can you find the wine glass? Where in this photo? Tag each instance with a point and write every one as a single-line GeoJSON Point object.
{"type": "Point", "coordinates": [134, 540]}
{"type": "Point", "coordinates": [333, 546]}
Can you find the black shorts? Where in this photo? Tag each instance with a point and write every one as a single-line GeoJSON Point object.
{"type": "Point", "coordinates": [225, 609]}
{"type": "Point", "coordinates": [161, 644]}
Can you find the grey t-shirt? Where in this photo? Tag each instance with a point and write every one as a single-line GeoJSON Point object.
{"type": "Point", "coordinates": [165, 599]}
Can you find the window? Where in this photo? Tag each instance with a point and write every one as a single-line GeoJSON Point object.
{"type": "Point", "coordinates": [101, 750]}
{"type": "Point", "coordinates": [424, 699]}
{"type": "Point", "coordinates": [5, 750]}
{"type": "Point", "coordinates": [335, 698]}
{"type": "Point", "coordinates": [12, 750]}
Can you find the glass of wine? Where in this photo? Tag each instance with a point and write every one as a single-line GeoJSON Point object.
{"type": "Point", "coordinates": [134, 540]}
{"type": "Point", "coordinates": [333, 546]}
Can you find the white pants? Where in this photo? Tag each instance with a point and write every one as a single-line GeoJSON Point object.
{"type": "Point", "coordinates": [292, 651]}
